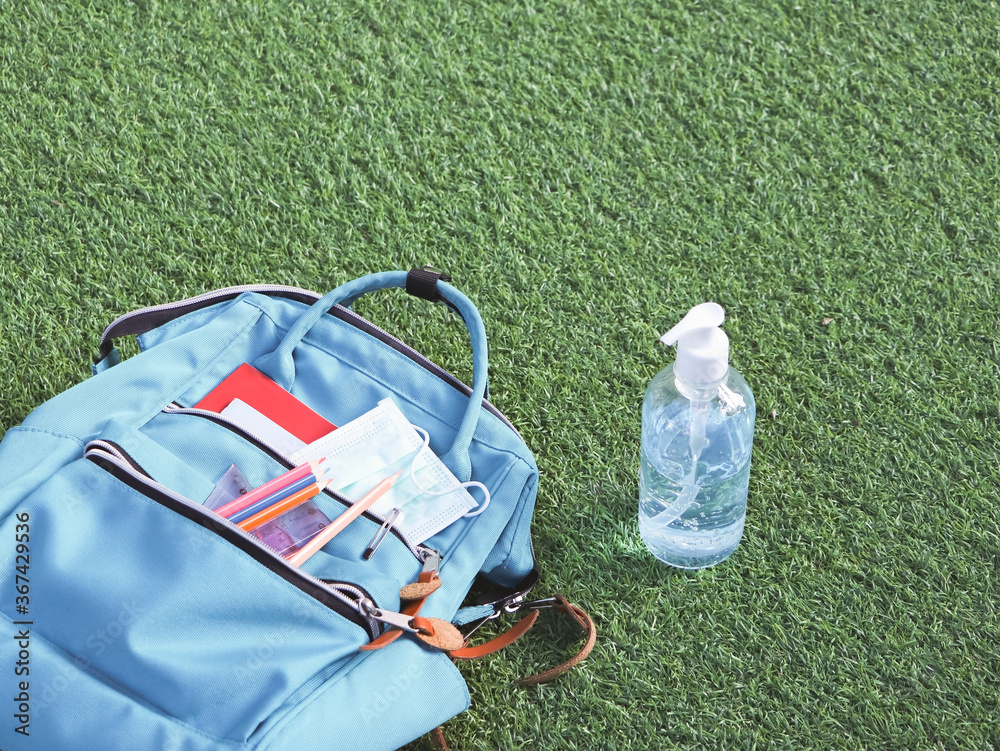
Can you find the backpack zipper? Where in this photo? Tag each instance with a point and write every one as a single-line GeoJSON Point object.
{"type": "Point", "coordinates": [420, 552]}
{"type": "Point", "coordinates": [348, 600]}
{"type": "Point", "coordinates": [197, 303]}
{"type": "Point", "coordinates": [165, 311]}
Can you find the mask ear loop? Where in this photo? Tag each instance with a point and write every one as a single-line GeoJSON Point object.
{"type": "Point", "coordinates": [471, 484]}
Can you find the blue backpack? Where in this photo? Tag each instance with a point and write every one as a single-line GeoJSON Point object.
{"type": "Point", "coordinates": [135, 618]}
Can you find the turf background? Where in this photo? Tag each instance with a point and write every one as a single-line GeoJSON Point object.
{"type": "Point", "coordinates": [587, 171]}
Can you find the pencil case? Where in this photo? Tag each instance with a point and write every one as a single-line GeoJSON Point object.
{"type": "Point", "coordinates": [153, 623]}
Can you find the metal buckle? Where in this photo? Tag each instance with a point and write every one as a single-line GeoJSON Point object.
{"type": "Point", "coordinates": [512, 606]}
{"type": "Point", "coordinates": [482, 622]}
{"type": "Point", "coordinates": [518, 603]}
{"type": "Point", "coordinates": [547, 602]}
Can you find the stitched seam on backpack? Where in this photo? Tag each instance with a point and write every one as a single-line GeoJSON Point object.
{"type": "Point", "coordinates": [194, 315]}
{"type": "Point", "coordinates": [266, 313]}
{"type": "Point", "coordinates": [208, 312]}
{"type": "Point", "coordinates": [274, 732]}
{"type": "Point", "coordinates": [292, 712]}
{"type": "Point", "coordinates": [520, 518]}
{"type": "Point", "coordinates": [57, 434]}
{"type": "Point", "coordinates": [127, 693]}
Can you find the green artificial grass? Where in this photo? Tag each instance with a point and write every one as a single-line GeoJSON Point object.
{"type": "Point", "coordinates": [587, 171]}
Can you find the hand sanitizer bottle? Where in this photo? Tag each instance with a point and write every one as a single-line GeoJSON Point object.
{"type": "Point", "coordinates": [697, 433]}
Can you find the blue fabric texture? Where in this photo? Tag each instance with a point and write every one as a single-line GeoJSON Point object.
{"type": "Point", "coordinates": [149, 630]}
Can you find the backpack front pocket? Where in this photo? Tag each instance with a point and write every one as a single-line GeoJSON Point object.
{"type": "Point", "coordinates": [172, 611]}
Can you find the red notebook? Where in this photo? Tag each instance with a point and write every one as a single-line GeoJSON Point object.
{"type": "Point", "coordinates": [254, 388]}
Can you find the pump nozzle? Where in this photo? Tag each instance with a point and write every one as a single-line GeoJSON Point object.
{"type": "Point", "coordinates": [708, 315]}
{"type": "Point", "coordinates": [702, 347]}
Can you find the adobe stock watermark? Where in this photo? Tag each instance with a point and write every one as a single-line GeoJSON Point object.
{"type": "Point", "coordinates": [97, 644]}
{"type": "Point", "coordinates": [259, 656]}
{"type": "Point", "coordinates": [396, 686]}
{"type": "Point", "coordinates": [22, 587]}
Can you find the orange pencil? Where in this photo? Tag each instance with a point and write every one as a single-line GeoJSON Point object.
{"type": "Point", "coordinates": [337, 525]}
{"type": "Point", "coordinates": [272, 512]}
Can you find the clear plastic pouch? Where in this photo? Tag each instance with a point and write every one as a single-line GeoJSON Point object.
{"type": "Point", "coordinates": [283, 535]}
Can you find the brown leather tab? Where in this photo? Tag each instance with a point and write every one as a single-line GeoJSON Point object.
{"type": "Point", "coordinates": [495, 645]}
{"type": "Point", "coordinates": [584, 622]}
{"type": "Point", "coordinates": [383, 641]}
{"type": "Point", "coordinates": [427, 584]}
{"type": "Point", "coordinates": [438, 633]}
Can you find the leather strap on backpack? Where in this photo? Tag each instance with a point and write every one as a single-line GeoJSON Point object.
{"type": "Point", "coordinates": [437, 736]}
{"type": "Point", "coordinates": [561, 605]}
{"type": "Point", "coordinates": [495, 645]}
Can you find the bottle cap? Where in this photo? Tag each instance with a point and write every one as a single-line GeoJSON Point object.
{"type": "Point", "coordinates": [702, 347]}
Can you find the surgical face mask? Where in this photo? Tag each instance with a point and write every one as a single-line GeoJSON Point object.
{"type": "Point", "coordinates": [381, 443]}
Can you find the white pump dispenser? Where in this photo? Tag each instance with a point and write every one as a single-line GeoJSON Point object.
{"type": "Point", "coordinates": [697, 434]}
{"type": "Point", "coordinates": [702, 347]}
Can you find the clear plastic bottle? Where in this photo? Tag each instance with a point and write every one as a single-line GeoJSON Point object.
{"type": "Point", "coordinates": [697, 436]}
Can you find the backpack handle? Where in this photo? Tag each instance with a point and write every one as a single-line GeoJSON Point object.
{"type": "Point", "coordinates": [280, 363]}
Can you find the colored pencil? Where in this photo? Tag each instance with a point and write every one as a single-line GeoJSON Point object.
{"type": "Point", "coordinates": [238, 504]}
{"type": "Point", "coordinates": [277, 509]}
{"type": "Point", "coordinates": [337, 525]}
{"type": "Point", "coordinates": [269, 500]}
